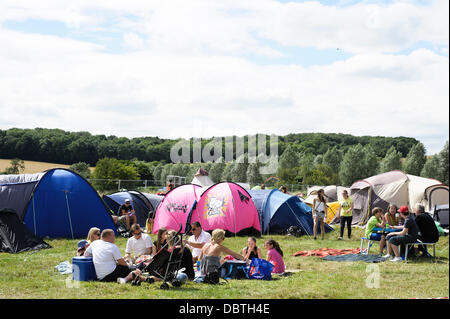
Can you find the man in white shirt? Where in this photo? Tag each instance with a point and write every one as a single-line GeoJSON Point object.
{"type": "Point", "coordinates": [197, 240]}
{"type": "Point", "coordinates": [108, 262]}
{"type": "Point", "coordinates": [139, 244]}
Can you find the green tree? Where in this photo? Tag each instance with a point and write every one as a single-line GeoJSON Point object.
{"type": "Point", "coordinates": [333, 158]}
{"type": "Point", "coordinates": [227, 172]}
{"type": "Point", "coordinates": [321, 175]}
{"type": "Point", "coordinates": [415, 160]}
{"type": "Point", "coordinates": [392, 161]}
{"type": "Point", "coordinates": [239, 171]}
{"type": "Point", "coordinates": [216, 171]}
{"type": "Point", "coordinates": [432, 168]}
{"type": "Point", "coordinates": [289, 159]}
{"type": "Point", "coordinates": [443, 163]}
{"type": "Point", "coordinates": [353, 165]}
{"type": "Point", "coordinates": [370, 160]}
{"type": "Point", "coordinates": [111, 168]}
{"type": "Point", "coordinates": [253, 175]}
{"type": "Point", "coordinates": [17, 166]}
{"type": "Point", "coordinates": [81, 168]}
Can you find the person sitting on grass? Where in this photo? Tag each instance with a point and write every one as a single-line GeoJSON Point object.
{"type": "Point", "coordinates": [93, 234]}
{"type": "Point", "coordinates": [108, 261]}
{"type": "Point", "coordinates": [376, 220]}
{"type": "Point", "coordinates": [161, 240]}
{"type": "Point", "coordinates": [212, 251]}
{"type": "Point", "coordinates": [139, 244]}
{"type": "Point", "coordinates": [408, 235]}
{"type": "Point", "coordinates": [198, 239]}
{"type": "Point", "coordinates": [251, 250]}
{"type": "Point", "coordinates": [275, 256]}
{"type": "Point", "coordinates": [82, 246]}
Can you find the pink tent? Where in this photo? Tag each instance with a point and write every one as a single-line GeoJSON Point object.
{"type": "Point", "coordinates": [226, 206]}
{"type": "Point", "coordinates": [175, 207]}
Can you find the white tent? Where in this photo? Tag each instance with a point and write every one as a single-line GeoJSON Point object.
{"type": "Point", "coordinates": [202, 179]}
{"type": "Point", "coordinates": [333, 193]}
{"type": "Point", "coordinates": [397, 188]}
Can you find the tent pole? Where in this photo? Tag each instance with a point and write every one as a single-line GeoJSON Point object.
{"type": "Point", "coordinates": [68, 211]}
{"type": "Point", "coordinates": [34, 216]}
{"type": "Point", "coordinates": [301, 223]}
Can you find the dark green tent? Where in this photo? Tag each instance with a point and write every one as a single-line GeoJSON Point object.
{"type": "Point", "coordinates": [15, 237]}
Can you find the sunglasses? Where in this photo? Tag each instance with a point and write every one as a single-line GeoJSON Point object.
{"type": "Point", "coordinates": [194, 229]}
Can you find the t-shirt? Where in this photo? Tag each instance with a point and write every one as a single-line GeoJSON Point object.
{"type": "Point", "coordinates": [204, 237]}
{"type": "Point", "coordinates": [275, 258]}
{"type": "Point", "coordinates": [125, 208]}
{"type": "Point", "coordinates": [428, 230]}
{"type": "Point", "coordinates": [138, 246]}
{"type": "Point", "coordinates": [345, 207]}
{"type": "Point", "coordinates": [371, 224]}
{"type": "Point", "coordinates": [104, 255]}
{"type": "Point", "coordinates": [413, 230]}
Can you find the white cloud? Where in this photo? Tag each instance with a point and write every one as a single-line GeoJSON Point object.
{"type": "Point", "coordinates": [187, 77]}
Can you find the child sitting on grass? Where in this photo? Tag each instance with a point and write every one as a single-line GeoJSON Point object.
{"type": "Point", "coordinates": [275, 256]}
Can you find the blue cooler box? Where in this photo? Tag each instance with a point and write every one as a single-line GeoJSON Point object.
{"type": "Point", "coordinates": [83, 269]}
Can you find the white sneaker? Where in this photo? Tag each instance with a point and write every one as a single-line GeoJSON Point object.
{"type": "Point", "coordinates": [396, 259]}
{"type": "Point", "coordinates": [387, 256]}
{"type": "Point", "coordinates": [340, 238]}
{"type": "Point", "coordinates": [121, 281]}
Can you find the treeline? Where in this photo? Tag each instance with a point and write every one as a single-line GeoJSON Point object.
{"type": "Point", "coordinates": [62, 147]}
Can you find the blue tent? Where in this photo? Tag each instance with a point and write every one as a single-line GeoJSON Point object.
{"type": "Point", "coordinates": [278, 211]}
{"type": "Point", "coordinates": [57, 203]}
{"type": "Point", "coordinates": [143, 204]}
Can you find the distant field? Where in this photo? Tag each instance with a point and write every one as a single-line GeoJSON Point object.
{"type": "Point", "coordinates": [32, 166]}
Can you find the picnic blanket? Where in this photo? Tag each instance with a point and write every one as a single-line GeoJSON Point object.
{"type": "Point", "coordinates": [356, 257]}
{"type": "Point", "coordinates": [324, 252]}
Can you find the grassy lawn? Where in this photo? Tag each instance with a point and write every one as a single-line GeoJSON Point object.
{"type": "Point", "coordinates": [32, 275]}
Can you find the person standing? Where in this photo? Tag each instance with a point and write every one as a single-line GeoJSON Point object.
{"type": "Point", "coordinates": [319, 212]}
{"type": "Point", "coordinates": [345, 214]}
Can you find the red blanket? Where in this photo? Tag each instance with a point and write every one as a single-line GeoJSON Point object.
{"type": "Point", "coordinates": [323, 252]}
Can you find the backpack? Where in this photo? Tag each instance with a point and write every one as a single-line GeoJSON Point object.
{"type": "Point", "coordinates": [294, 231]}
{"type": "Point", "coordinates": [260, 269]}
{"type": "Point", "coordinates": [233, 270]}
{"type": "Point", "coordinates": [212, 278]}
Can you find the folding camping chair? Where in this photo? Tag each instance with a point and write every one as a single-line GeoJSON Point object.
{"type": "Point", "coordinates": [419, 242]}
{"type": "Point", "coordinates": [369, 245]}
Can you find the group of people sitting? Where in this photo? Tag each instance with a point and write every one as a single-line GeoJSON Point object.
{"type": "Point", "coordinates": [405, 228]}
{"type": "Point", "coordinates": [200, 249]}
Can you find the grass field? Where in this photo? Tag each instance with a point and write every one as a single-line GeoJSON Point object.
{"type": "Point", "coordinates": [33, 167]}
{"type": "Point", "coordinates": [32, 275]}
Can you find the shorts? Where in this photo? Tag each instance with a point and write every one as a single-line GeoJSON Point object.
{"type": "Point", "coordinates": [319, 215]}
{"type": "Point", "coordinates": [375, 236]}
{"type": "Point", "coordinates": [119, 272]}
{"type": "Point", "coordinates": [401, 240]}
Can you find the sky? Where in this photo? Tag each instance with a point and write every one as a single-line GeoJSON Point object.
{"type": "Point", "coordinates": [204, 68]}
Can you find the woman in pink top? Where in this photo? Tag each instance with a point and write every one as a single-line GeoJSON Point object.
{"type": "Point", "coordinates": [275, 256]}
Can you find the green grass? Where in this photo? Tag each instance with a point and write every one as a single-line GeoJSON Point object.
{"type": "Point", "coordinates": [32, 275]}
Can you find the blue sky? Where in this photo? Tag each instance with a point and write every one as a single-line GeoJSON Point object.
{"type": "Point", "coordinates": [226, 62]}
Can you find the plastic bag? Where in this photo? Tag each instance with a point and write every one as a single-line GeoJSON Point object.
{"type": "Point", "coordinates": [260, 269]}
